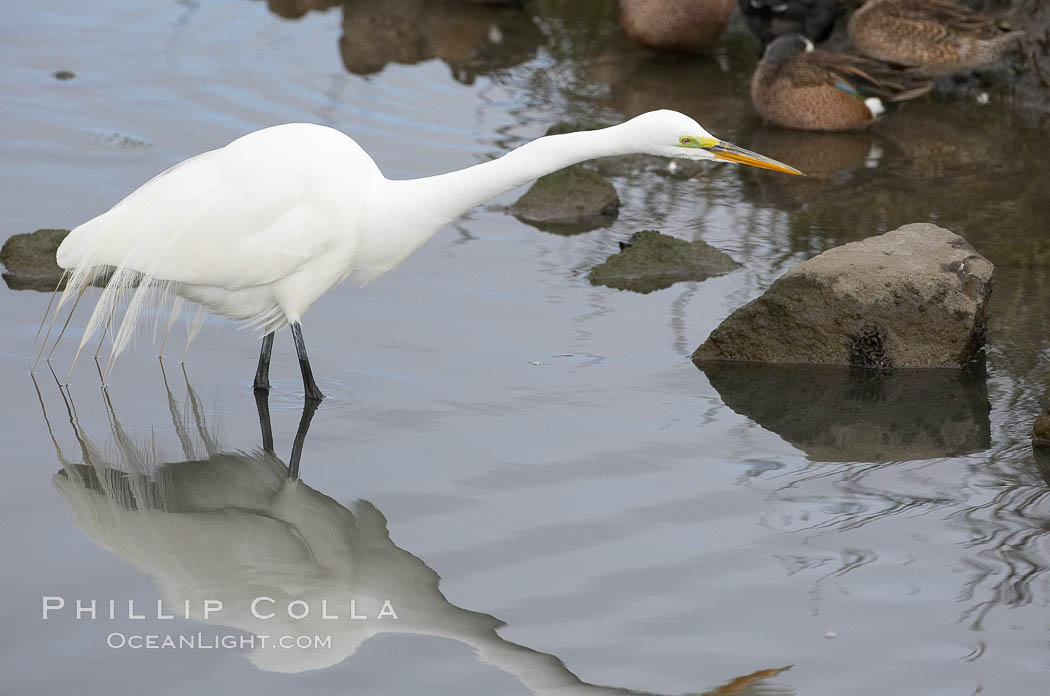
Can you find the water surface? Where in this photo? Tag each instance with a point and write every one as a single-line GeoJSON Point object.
{"type": "Point", "coordinates": [543, 446]}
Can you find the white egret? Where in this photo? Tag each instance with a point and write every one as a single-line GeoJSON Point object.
{"type": "Point", "coordinates": [258, 230]}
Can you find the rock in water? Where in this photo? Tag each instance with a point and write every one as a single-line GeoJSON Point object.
{"type": "Point", "coordinates": [569, 200]}
{"type": "Point", "coordinates": [653, 261]}
{"type": "Point", "coordinates": [1041, 430]}
{"type": "Point", "coordinates": [30, 260]}
{"type": "Point", "coordinates": [913, 297]}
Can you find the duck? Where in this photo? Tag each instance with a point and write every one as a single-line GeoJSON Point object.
{"type": "Point", "coordinates": [768, 19]}
{"type": "Point", "coordinates": [799, 86]}
{"type": "Point", "coordinates": [675, 25]}
{"type": "Point", "coordinates": [937, 37]}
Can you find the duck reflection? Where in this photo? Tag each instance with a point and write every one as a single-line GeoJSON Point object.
{"type": "Point", "coordinates": [294, 9]}
{"type": "Point", "coordinates": [824, 156]}
{"type": "Point", "coordinates": [472, 38]}
{"type": "Point", "coordinates": [844, 415]}
{"type": "Point", "coordinates": [836, 165]}
{"type": "Point", "coordinates": [938, 148]}
{"type": "Point", "coordinates": [233, 526]}
{"type": "Point", "coordinates": [863, 183]}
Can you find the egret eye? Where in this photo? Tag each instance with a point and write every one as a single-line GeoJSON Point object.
{"type": "Point", "coordinates": [686, 140]}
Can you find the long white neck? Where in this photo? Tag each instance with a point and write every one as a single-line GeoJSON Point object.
{"type": "Point", "coordinates": [445, 197]}
{"type": "Point", "coordinates": [408, 212]}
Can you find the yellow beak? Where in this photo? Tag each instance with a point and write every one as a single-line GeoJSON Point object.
{"type": "Point", "coordinates": [731, 153]}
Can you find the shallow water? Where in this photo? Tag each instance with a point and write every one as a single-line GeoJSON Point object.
{"type": "Point", "coordinates": [544, 446]}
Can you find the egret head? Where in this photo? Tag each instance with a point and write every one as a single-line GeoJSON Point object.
{"type": "Point", "coordinates": [670, 134]}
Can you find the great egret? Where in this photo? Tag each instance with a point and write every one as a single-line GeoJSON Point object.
{"type": "Point", "coordinates": [940, 37]}
{"type": "Point", "coordinates": [768, 19]}
{"type": "Point", "coordinates": [258, 230]}
{"type": "Point", "coordinates": [675, 25]}
{"type": "Point", "coordinates": [797, 86]}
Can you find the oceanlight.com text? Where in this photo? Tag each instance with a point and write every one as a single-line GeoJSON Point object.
{"type": "Point", "coordinates": [227, 641]}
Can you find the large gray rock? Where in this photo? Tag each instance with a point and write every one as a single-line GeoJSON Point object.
{"type": "Point", "coordinates": [654, 261]}
{"type": "Point", "coordinates": [913, 297]}
{"type": "Point", "coordinates": [29, 260]}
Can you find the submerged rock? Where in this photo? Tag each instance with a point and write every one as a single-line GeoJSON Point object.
{"type": "Point", "coordinates": [845, 414]}
{"type": "Point", "coordinates": [570, 200]}
{"type": "Point", "coordinates": [30, 260]}
{"type": "Point", "coordinates": [913, 297]}
{"type": "Point", "coordinates": [654, 261]}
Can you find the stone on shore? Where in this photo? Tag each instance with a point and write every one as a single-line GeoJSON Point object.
{"type": "Point", "coordinates": [913, 297]}
{"type": "Point", "coordinates": [654, 261]}
{"type": "Point", "coordinates": [29, 260]}
{"type": "Point", "coordinates": [573, 199]}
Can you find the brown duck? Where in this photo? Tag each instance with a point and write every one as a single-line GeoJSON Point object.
{"type": "Point", "coordinates": [675, 25]}
{"type": "Point", "coordinates": [798, 86]}
{"type": "Point", "coordinates": [938, 37]}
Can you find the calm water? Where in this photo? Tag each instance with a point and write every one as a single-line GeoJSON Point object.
{"type": "Point", "coordinates": [543, 446]}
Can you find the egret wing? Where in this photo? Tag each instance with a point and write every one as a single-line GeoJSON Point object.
{"type": "Point", "coordinates": [249, 214]}
{"type": "Point", "coordinates": [225, 219]}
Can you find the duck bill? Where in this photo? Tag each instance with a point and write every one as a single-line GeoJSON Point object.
{"type": "Point", "coordinates": [731, 153]}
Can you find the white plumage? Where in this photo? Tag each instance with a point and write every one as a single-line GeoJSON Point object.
{"type": "Point", "coordinates": [255, 231]}
{"type": "Point", "coordinates": [258, 230]}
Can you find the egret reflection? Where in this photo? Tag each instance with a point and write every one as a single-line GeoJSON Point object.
{"type": "Point", "coordinates": [227, 525]}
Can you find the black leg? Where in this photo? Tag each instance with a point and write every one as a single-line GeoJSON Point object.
{"type": "Point", "coordinates": [262, 374]}
{"type": "Point", "coordinates": [300, 437]}
{"type": "Point", "coordinates": [262, 404]}
{"type": "Point", "coordinates": [312, 392]}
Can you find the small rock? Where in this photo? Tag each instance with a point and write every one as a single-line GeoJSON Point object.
{"type": "Point", "coordinates": [913, 297]}
{"type": "Point", "coordinates": [1041, 430]}
{"type": "Point", "coordinates": [570, 200]}
{"type": "Point", "coordinates": [30, 260]}
{"type": "Point", "coordinates": [653, 261]}
{"type": "Point", "coordinates": [63, 75]}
